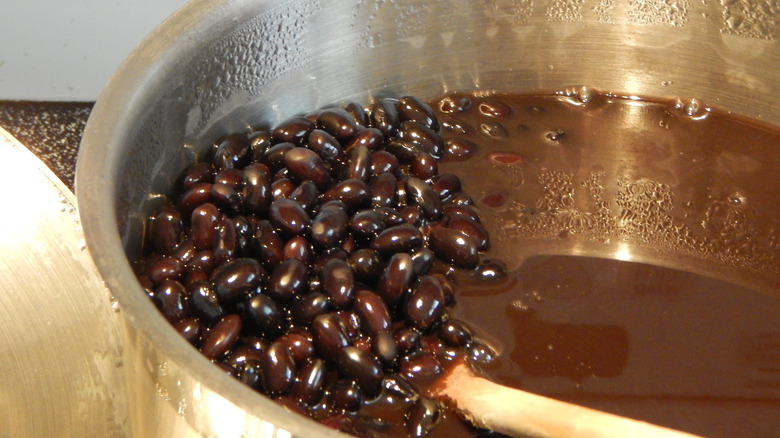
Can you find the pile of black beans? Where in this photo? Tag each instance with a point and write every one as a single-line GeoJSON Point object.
{"type": "Point", "coordinates": [312, 261]}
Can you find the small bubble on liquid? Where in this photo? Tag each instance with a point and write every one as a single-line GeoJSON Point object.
{"type": "Point", "coordinates": [584, 94]}
{"type": "Point", "coordinates": [555, 135]}
{"type": "Point", "coordinates": [691, 107]}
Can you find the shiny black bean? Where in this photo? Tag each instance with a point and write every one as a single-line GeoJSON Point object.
{"type": "Point", "coordinates": [198, 173]}
{"type": "Point", "coordinates": [282, 188]}
{"type": "Point", "coordinates": [405, 151]}
{"type": "Point", "coordinates": [358, 112]}
{"type": "Point", "coordinates": [420, 368]}
{"type": "Point", "coordinates": [165, 268]}
{"type": "Point", "coordinates": [385, 349]}
{"type": "Point", "coordinates": [424, 415]}
{"type": "Point", "coordinates": [301, 346]}
{"type": "Point", "coordinates": [383, 190]}
{"type": "Point", "coordinates": [225, 245]}
{"type": "Point", "coordinates": [355, 364]}
{"type": "Point", "coordinates": [447, 285]}
{"type": "Point", "coordinates": [344, 396]}
{"type": "Point", "coordinates": [412, 215]}
{"type": "Point", "coordinates": [329, 227]}
{"type": "Point", "coordinates": [446, 186]}
{"type": "Point", "coordinates": [407, 339]}
{"type": "Point", "coordinates": [306, 308]}
{"type": "Point", "coordinates": [190, 329]}
{"type": "Point", "coordinates": [330, 336]}
{"type": "Point", "coordinates": [422, 259]}
{"type": "Point", "coordinates": [455, 333]}
{"type": "Point", "coordinates": [277, 369]}
{"type": "Point", "coordinates": [308, 386]}
{"type": "Point", "coordinates": [358, 164]}
{"type": "Point", "coordinates": [462, 210]}
{"type": "Point", "coordinates": [454, 247]}
{"type": "Point", "coordinates": [230, 177]}
{"type": "Point", "coordinates": [226, 198]}
{"type": "Point", "coordinates": [370, 138]}
{"type": "Point", "coordinates": [418, 192]}
{"type": "Point", "coordinates": [424, 137]}
{"type": "Point", "coordinates": [274, 156]}
{"type": "Point", "coordinates": [196, 195]}
{"type": "Point", "coordinates": [185, 251]}
{"type": "Point", "coordinates": [414, 109]}
{"type": "Point", "coordinates": [268, 245]}
{"type": "Point", "coordinates": [293, 130]}
{"type": "Point", "coordinates": [396, 278]}
{"type": "Point", "coordinates": [221, 338]}
{"type": "Point", "coordinates": [339, 123]}
{"type": "Point", "coordinates": [366, 264]}
{"type": "Point", "coordinates": [251, 374]}
{"type": "Point", "coordinates": [458, 149]}
{"type": "Point", "coordinates": [288, 279]}
{"type": "Point", "coordinates": [170, 298]}
{"type": "Point", "coordinates": [367, 224]}
{"type": "Point", "coordinates": [256, 191]}
{"type": "Point", "coordinates": [307, 195]}
{"type": "Point", "coordinates": [454, 104]}
{"type": "Point", "coordinates": [455, 125]}
{"type": "Point", "coordinates": [473, 229]}
{"type": "Point", "coordinates": [383, 162]}
{"type": "Point", "coordinates": [424, 167]}
{"type": "Point", "coordinates": [460, 199]}
{"type": "Point", "coordinates": [392, 217]}
{"type": "Point", "coordinates": [372, 312]}
{"type": "Point", "coordinates": [384, 116]}
{"type": "Point", "coordinates": [237, 278]}
{"type": "Point", "coordinates": [338, 283]}
{"type": "Point", "coordinates": [425, 305]}
{"type": "Point", "coordinates": [400, 238]}
{"type": "Point", "coordinates": [298, 248]}
{"type": "Point", "coordinates": [354, 193]}
{"type": "Point", "coordinates": [325, 145]}
{"type": "Point", "coordinates": [232, 151]}
{"type": "Point", "coordinates": [304, 164]}
{"type": "Point", "coordinates": [259, 141]}
{"type": "Point", "coordinates": [351, 323]}
{"type": "Point", "coordinates": [480, 354]}
{"type": "Point", "coordinates": [203, 302]}
{"type": "Point", "coordinates": [167, 232]}
{"type": "Point", "coordinates": [289, 217]}
{"type": "Point", "coordinates": [243, 352]}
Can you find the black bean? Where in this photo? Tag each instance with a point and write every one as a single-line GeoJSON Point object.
{"type": "Point", "coordinates": [358, 112]}
{"type": "Point", "coordinates": [458, 149]}
{"type": "Point", "coordinates": [494, 108]}
{"type": "Point", "coordinates": [396, 278]}
{"type": "Point", "coordinates": [418, 192]}
{"type": "Point", "coordinates": [454, 104]}
{"type": "Point", "coordinates": [294, 130]}
{"type": "Point", "coordinates": [385, 349]}
{"type": "Point", "coordinates": [325, 145]}
{"type": "Point", "coordinates": [366, 264]}
{"type": "Point", "coordinates": [203, 302]}
{"type": "Point", "coordinates": [339, 123]}
{"type": "Point", "coordinates": [306, 308]}
{"type": "Point", "coordinates": [425, 305]}
{"type": "Point", "coordinates": [289, 217]}
{"type": "Point", "coordinates": [259, 142]}
{"type": "Point", "coordinates": [424, 167]}
{"type": "Point", "coordinates": [455, 333]}
{"type": "Point", "coordinates": [358, 163]}
{"type": "Point", "coordinates": [226, 198]}
{"type": "Point", "coordinates": [282, 188]}
{"type": "Point", "coordinates": [251, 374]}
{"type": "Point", "coordinates": [307, 195]}
{"type": "Point", "coordinates": [165, 268]}
{"type": "Point", "coordinates": [454, 247]}
{"type": "Point", "coordinates": [407, 339]}
{"type": "Point", "coordinates": [355, 364]}
{"type": "Point", "coordinates": [222, 336]}
{"type": "Point", "coordinates": [493, 130]}
{"type": "Point", "coordinates": [446, 185]}
{"type": "Point", "coordinates": [198, 173]}
{"type": "Point", "coordinates": [170, 298]}
{"type": "Point", "coordinates": [414, 109]}
{"type": "Point", "coordinates": [329, 227]}
{"type": "Point", "coordinates": [330, 336]}
{"type": "Point", "coordinates": [242, 352]}
{"type": "Point", "coordinates": [424, 137]}
{"type": "Point", "coordinates": [232, 151]}
{"type": "Point", "coordinates": [230, 177]}
{"type": "Point", "coordinates": [185, 251]}
{"type": "Point", "coordinates": [225, 245]}
{"type": "Point", "coordinates": [338, 283]}
{"type": "Point", "coordinates": [463, 210]}
{"type": "Point", "coordinates": [354, 193]}
{"type": "Point", "coordinates": [460, 199]}
{"type": "Point", "coordinates": [412, 215]}
{"type": "Point", "coordinates": [422, 259]}
{"type": "Point", "coordinates": [400, 238]}
{"type": "Point", "coordinates": [392, 216]}
{"type": "Point", "coordinates": [190, 329]}
{"type": "Point", "coordinates": [237, 278]}
{"type": "Point", "coordinates": [473, 229]}
{"type": "Point", "coordinates": [298, 248]}
{"type": "Point", "coordinates": [277, 369]}
{"type": "Point", "coordinates": [304, 164]}
{"type": "Point", "coordinates": [372, 311]}
{"type": "Point", "coordinates": [308, 386]}
{"type": "Point", "coordinates": [168, 228]}
{"type": "Point", "coordinates": [480, 354]}
{"type": "Point", "coordinates": [383, 161]}
{"type": "Point", "coordinates": [344, 396]}
{"type": "Point", "coordinates": [420, 368]}
{"type": "Point", "coordinates": [383, 190]}
{"type": "Point", "coordinates": [447, 286]}
{"type": "Point", "coordinates": [256, 191]}
{"type": "Point", "coordinates": [196, 195]}
{"type": "Point", "coordinates": [384, 116]}
{"type": "Point", "coordinates": [370, 138]}
{"type": "Point", "coordinates": [269, 245]}
{"type": "Point", "coordinates": [274, 156]}
{"type": "Point", "coordinates": [301, 347]}
{"type": "Point", "coordinates": [367, 224]}
{"type": "Point", "coordinates": [404, 150]}
{"type": "Point", "coordinates": [424, 415]}
{"type": "Point", "coordinates": [288, 279]}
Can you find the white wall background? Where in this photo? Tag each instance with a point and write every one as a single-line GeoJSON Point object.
{"type": "Point", "coordinates": [65, 50]}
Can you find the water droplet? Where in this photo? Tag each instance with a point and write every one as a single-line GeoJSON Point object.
{"type": "Point", "coordinates": [584, 94]}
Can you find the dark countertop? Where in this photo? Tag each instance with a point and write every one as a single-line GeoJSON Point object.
{"type": "Point", "coordinates": [51, 130]}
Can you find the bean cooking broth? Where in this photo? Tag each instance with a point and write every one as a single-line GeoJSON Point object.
{"type": "Point", "coordinates": [324, 264]}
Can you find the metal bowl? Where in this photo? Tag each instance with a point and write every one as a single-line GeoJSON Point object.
{"type": "Point", "coordinates": [219, 66]}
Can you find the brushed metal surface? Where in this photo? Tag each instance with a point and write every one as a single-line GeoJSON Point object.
{"type": "Point", "coordinates": [218, 66]}
{"type": "Point", "coordinates": [61, 373]}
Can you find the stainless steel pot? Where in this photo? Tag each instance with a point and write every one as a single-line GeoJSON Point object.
{"type": "Point", "coordinates": [218, 66]}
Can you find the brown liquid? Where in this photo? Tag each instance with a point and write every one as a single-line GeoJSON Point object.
{"type": "Point", "coordinates": [653, 343]}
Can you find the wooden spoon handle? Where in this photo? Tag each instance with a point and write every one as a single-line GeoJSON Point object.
{"type": "Point", "coordinates": [522, 414]}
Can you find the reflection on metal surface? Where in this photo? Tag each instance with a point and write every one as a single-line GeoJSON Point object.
{"type": "Point", "coordinates": [61, 372]}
